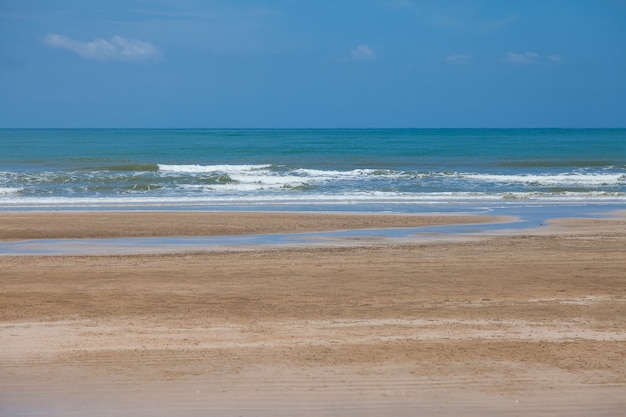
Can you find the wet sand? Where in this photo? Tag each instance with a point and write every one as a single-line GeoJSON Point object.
{"type": "Point", "coordinates": [71, 225]}
{"type": "Point", "coordinates": [530, 323]}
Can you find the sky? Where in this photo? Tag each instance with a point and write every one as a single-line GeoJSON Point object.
{"type": "Point", "coordinates": [312, 64]}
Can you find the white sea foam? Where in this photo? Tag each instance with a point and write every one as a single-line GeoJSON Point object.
{"type": "Point", "coordinates": [242, 177]}
{"type": "Point", "coordinates": [378, 197]}
{"type": "Point", "coordinates": [210, 168]}
{"type": "Point", "coordinates": [351, 174]}
{"type": "Point", "coordinates": [265, 176]}
{"type": "Point", "coordinates": [582, 179]}
{"type": "Point", "coordinates": [268, 179]}
{"type": "Point", "coordinates": [264, 173]}
{"type": "Point", "coordinates": [8, 191]}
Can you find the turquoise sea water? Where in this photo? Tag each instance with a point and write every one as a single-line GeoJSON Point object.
{"type": "Point", "coordinates": [398, 170]}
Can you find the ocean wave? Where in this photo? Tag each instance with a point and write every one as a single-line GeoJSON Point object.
{"type": "Point", "coordinates": [268, 175]}
{"type": "Point", "coordinates": [243, 185]}
{"type": "Point", "coordinates": [247, 182]}
{"type": "Point", "coordinates": [355, 173]}
{"type": "Point", "coordinates": [388, 198]}
{"type": "Point", "coordinates": [275, 174]}
{"type": "Point", "coordinates": [562, 179]}
{"type": "Point", "coordinates": [117, 189]}
{"type": "Point", "coordinates": [200, 169]}
{"type": "Point", "coordinates": [236, 177]}
{"type": "Point", "coordinates": [9, 191]}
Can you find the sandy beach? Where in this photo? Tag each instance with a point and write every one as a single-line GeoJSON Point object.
{"type": "Point", "coordinates": [527, 323]}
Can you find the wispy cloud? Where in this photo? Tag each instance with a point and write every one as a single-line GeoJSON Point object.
{"type": "Point", "coordinates": [521, 59]}
{"type": "Point", "coordinates": [363, 53]}
{"type": "Point", "coordinates": [458, 58]}
{"type": "Point", "coordinates": [115, 49]}
{"type": "Point", "coordinates": [555, 58]}
{"type": "Point", "coordinates": [530, 58]}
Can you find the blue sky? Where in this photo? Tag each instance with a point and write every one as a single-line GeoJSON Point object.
{"type": "Point", "coordinates": [297, 63]}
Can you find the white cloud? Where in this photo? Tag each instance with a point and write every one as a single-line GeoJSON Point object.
{"type": "Point", "coordinates": [458, 58]}
{"type": "Point", "coordinates": [555, 58]}
{"type": "Point", "coordinates": [114, 49]}
{"type": "Point", "coordinates": [363, 53]}
{"type": "Point", "coordinates": [521, 59]}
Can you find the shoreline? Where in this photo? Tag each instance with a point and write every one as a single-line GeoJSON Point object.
{"type": "Point", "coordinates": [521, 323]}
{"type": "Point", "coordinates": [170, 232]}
{"type": "Point", "coordinates": [100, 225]}
{"type": "Point", "coordinates": [128, 233]}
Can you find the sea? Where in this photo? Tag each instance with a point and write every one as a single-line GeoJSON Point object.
{"type": "Point", "coordinates": [356, 170]}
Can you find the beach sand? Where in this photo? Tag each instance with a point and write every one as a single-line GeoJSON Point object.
{"type": "Point", "coordinates": [528, 323]}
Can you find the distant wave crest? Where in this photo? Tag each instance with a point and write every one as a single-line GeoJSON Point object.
{"type": "Point", "coordinates": [198, 169]}
{"type": "Point", "coordinates": [9, 191]}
